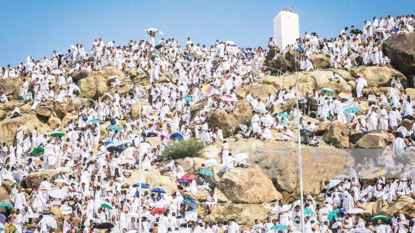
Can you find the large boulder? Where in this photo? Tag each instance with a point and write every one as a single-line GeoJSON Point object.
{"type": "Point", "coordinates": [259, 90]}
{"type": "Point", "coordinates": [320, 61]}
{"type": "Point", "coordinates": [244, 214]}
{"type": "Point", "coordinates": [4, 195]}
{"type": "Point", "coordinates": [251, 186]}
{"type": "Point", "coordinates": [378, 76]}
{"type": "Point", "coordinates": [135, 108]}
{"type": "Point", "coordinates": [404, 204]}
{"type": "Point", "coordinates": [153, 179]}
{"type": "Point", "coordinates": [229, 122]}
{"type": "Point", "coordinates": [35, 178]}
{"type": "Point", "coordinates": [279, 161]}
{"type": "Point", "coordinates": [337, 135]}
{"type": "Point", "coordinates": [92, 87]}
{"type": "Point", "coordinates": [375, 140]}
{"type": "Point", "coordinates": [401, 51]}
{"type": "Point", "coordinates": [8, 127]}
{"type": "Point", "coordinates": [11, 86]}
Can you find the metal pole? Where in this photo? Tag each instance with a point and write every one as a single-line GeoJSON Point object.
{"type": "Point", "coordinates": [139, 157]}
{"type": "Point", "coordinates": [299, 148]}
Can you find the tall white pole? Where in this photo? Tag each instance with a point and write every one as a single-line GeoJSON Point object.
{"type": "Point", "coordinates": [300, 163]}
{"type": "Point", "coordinates": [139, 157]}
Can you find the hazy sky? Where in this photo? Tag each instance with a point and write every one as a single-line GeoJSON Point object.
{"type": "Point", "coordinates": [36, 28]}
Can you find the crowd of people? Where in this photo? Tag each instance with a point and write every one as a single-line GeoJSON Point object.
{"type": "Point", "coordinates": [92, 173]}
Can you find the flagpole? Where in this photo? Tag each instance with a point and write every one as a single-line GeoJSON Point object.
{"type": "Point", "coordinates": [139, 159]}
{"type": "Point", "coordinates": [300, 164]}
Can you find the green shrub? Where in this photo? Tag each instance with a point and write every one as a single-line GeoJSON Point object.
{"type": "Point", "coordinates": [189, 148]}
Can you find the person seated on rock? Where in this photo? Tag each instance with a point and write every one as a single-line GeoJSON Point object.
{"type": "Point", "coordinates": [287, 135]}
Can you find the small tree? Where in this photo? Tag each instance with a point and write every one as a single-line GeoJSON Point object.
{"type": "Point", "coordinates": [189, 148]}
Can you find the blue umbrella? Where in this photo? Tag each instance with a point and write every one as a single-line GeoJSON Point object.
{"type": "Point", "coordinates": [114, 127]}
{"type": "Point", "coordinates": [158, 190]}
{"type": "Point", "coordinates": [213, 69]}
{"type": "Point", "coordinates": [107, 143]}
{"type": "Point", "coordinates": [190, 56]}
{"type": "Point", "coordinates": [308, 212]}
{"type": "Point", "coordinates": [176, 136]}
{"type": "Point", "coordinates": [182, 181]}
{"type": "Point", "coordinates": [188, 98]}
{"type": "Point", "coordinates": [94, 121]}
{"type": "Point", "coordinates": [206, 172]}
{"type": "Point", "coordinates": [351, 110]}
{"type": "Point", "coordinates": [283, 115]}
{"type": "Point", "coordinates": [191, 202]}
{"type": "Point", "coordinates": [280, 228]}
{"type": "Point", "coordinates": [73, 66]}
{"type": "Point", "coordinates": [6, 205]}
{"type": "Point", "coordinates": [143, 186]}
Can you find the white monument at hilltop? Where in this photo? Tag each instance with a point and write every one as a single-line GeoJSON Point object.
{"type": "Point", "coordinates": [286, 28]}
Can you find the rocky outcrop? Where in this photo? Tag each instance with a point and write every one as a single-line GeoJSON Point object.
{"type": "Point", "coordinates": [338, 135]}
{"type": "Point", "coordinates": [244, 214]}
{"type": "Point", "coordinates": [8, 127]}
{"type": "Point", "coordinates": [35, 178]}
{"type": "Point", "coordinates": [258, 90]}
{"type": "Point", "coordinates": [251, 186]}
{"type": "Point", "coordinates": [401, 51]}
{"type": "Point", "coordinates": [11, 86]}
{"type": "Point", "coordinates": [135, 109]}
{"type": "Point", "coordinates": [405, 205]}
{"type": "Point", "coordinates": [375, 141]}
{"type": "Point", "coordinates": [378, 76]}
{"type": "Point", "coordinates": [229, 122]}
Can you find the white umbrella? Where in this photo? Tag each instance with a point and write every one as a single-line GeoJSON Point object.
{"type": "Point", "coordinates": [380, 30]}
{"type": "Point", "coordinates": [229, 42]}
{"type": "Point", "coordinates": [50, 221]}
{"type": "Point", "coordinates": [73, 47]}
{"type": "Point", "coordinates": [154, 30]}
{"type": "Point", "coordinates": [356, 211]}
{"type": "Point", "coordinates": [132, 215]}
{"type": "Point", "coordinates": [149, 217]}
{"type": "Point", "coordinates": [56, 72]}
{"type": "Point", "coordinates": [333, 183]}
{"type": "Point", "coordinates": [57, 193]}
{"type": "Point", "coordinates": [32, 216]}
{"type": "Point", "coordinates": [161, 204]}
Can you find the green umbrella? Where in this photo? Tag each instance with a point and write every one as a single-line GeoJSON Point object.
{"type": "Point", "coordinates": [114, 127]}
{"type": "Point", "coordinates": [57, 134]}
{"type": "Point", "coordinates": [154, 55]}
{"type": "Point", "coordinates": [6, 205]}
{"type": "Point", "coordinates": [283, 115]}
{"type": "Point", "coordinates": [206, 172]}
{"type": "Point", "coordinates": [327, 90]}
{"type": "Point", "coordinates": [356, 31]}
{"type": "Point", "coordinates": [332, 215]}
{"type": "Point", "coordinates": [37, 150]}
{"type": "Point", "coordinates": [159, 46]}
{"type": "Point", "coordinates": [309, 213]}
{"type": "Point", "coordinates": [280, 228]}
{"type": "Point", "coordinates": [106, 205]}
{"type": "Point", "coordinates": [381, 217]}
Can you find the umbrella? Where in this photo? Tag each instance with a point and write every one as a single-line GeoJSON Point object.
{"type": "Point", "coordinates": [57, 134]}
{"type": "Point", "coordinates": [333, 214]}
{"type": "Point", "coordinates": [105, 225]}
{"type": "Point", "coordinates": [152, 114]}
{"type": "Point", "coordinates": [154, 30]}
{"type": "Point", "coordinates": [106, 205]}
{"type": "Point", "coordinates": [94, 121]}
{"type": "Point", "coordinates": [111, 146]}
{"type": "Point", "coordinates": [229, 42]}
{"type": "Point", "coordinates": [283, 115]}
{"type": "Point", "coordinates": [132, 215]}
{"type": "Point", "coordinates": [6, 205]}
{"type": "Point", "coordinates": [308, 212]}
{"type": "Point", "coordinates": [37, 150]}
{"type": "Point", "coordinates": [208, 90]}
{"type": "Point", "coordinates": [143, 186]}
{"type": "Point", "coordinates": [190, 56]}
{"type": "Point", "coordinates": [158, 211]}
{"type": "Point", "coordinates": [332, 184]}
{"type": "Point", "coordinates": [154, 55]}
{"type": "Point", "coordinates": [355, 211]}
{"type": "Point", "coordinates": [356, 31]}
{"type": "Point", "coordinates": [149, 124]}
{"type": "Point", "coordinates": [57, 193]}
{"type": "Point", "coordinates": [351, 110]}
{"type": "Point", "coordinates": [345, 94]}
{"type": "Point", "coordinates": [379, 172]}
{"type": "Point", "coordinates": [306, 133]}
{"type": "Point", "coordinates": [191, 202]}
{"type": "Point", "coordinates": [280, 228]}
{"type": "Point", "coordinates": [206, 172]}
{"type": "Point", "coordinates": [56, 72]}
{"type": "Point", "coordinates": [159, 46]}
{"type": "Point", "coordinates": [33, 215]}
{"type": "Point", "coordinates": [228, 98]}
{"type": "Point", "coordinates": [114, 127]}
{"type": "Point", "coordinates": [158, 190]}
{"type": "Point", "coordinates": [176, 136]}
{"type": "Point", "coordinates": [188, 98]}
{"type": "Point", "coordinates": [188, 177]}
{"type": "Point", "coordinates": [380, 217]}
{"type": "Point", "coordinates": [50, 221]}
{"type": "Point", "coordinates": [162, 204]}
{"type": "Point", "coordinates": [380, 30]}
{"type": "Point", "coordinates": [327, 90]}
